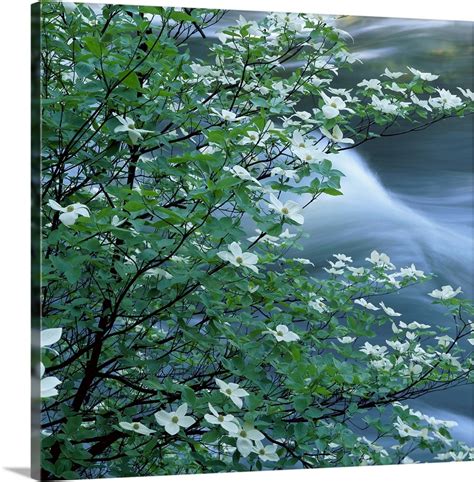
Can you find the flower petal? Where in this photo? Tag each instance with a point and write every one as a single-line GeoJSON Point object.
{"type": "Point", "coordinates": [49, 393]}
{"type": "Point", "coordinates": [48, 383]}
{"type": "Point", "coordinates": [249, 258]}
{"type": "Point", "coordinates": [330, 112]}
{"type": "Point", "coordinates": [254, 434]}
{"type": "Point", "coordinates": [237, 401]}
{"type": "Point", "coordinates": [122, 128]}
{"type": "Point", "coordinates": [50, 336]}
{"type": "Point", "coordinates": [213, 410]}
{"type": "Point", "coordinates": [235, 249]}
{"type": "Point", "coordinates": [240, 392]}
{"type": "Point", "coordinates": [221, 384]}
{"type": "Point", "coordinates": [186, 421]}
{"type": "Point", "coordinates": [181, 410]}
{"type": "Point", "coordinates": [54, 205]}
{"type": "Point", "coordinates": [126, 425]}
{"type": "Point", "coordinates": [68, 218]}
{"type": "Point", "coordinates": [231, 427]}
{"type": "Point", "coordinates": [226, 256]}
{"type": "Point", "coordinates": [81, 210]}
{"type": "Point", "coordinates": [172, 428]}
{"type": "Point", "coordinates": [162, 417]}
{"type": "Point", "coordinates": [297, 218]}
{"type": "Point", "coordinates": [244, 446]}
{"type": "Point", "coordinates": [211, 419]}
{"type": "Point", "coordinates": [276, 202]}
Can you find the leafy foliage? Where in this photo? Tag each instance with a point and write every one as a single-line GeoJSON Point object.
{"type": "Point", "coordinates": [155, 167]}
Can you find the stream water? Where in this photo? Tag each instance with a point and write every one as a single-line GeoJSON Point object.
{"type": "Point", "coordinates": [411, 196]}
{"type": "Point", "coordinates": [408, 196]}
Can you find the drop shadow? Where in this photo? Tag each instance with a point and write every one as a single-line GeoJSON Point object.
{"type": "Point", "coordinates": [24, 471]}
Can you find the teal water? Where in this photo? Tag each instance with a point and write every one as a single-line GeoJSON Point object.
{"type": "Point", "coordinates": [409, 196]}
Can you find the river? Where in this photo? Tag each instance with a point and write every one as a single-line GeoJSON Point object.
{"type": "Point", "coordinates": [409, 196]}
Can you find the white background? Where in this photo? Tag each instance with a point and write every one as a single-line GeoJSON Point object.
{"type": "Point", "coordinates": [14, 239]}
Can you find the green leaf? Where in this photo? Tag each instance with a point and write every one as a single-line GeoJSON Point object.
{"type": "Point", "coordinates": [130, 79]}
{"type": "Point", "coordinates": [93, 45]}
{"type": "Point", "coordinates": [188, 396]}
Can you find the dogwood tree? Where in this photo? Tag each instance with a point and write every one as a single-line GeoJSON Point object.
{"type": "Point", "coordinates": [186, 344]}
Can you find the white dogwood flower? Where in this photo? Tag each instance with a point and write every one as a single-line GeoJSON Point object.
{"type": "Point", "coordinates": [344, 92]}
{"type": "Point", "coordinates": [282, 333]}
{"type": "Point", "coordinates": [227, 115]}
{"type": "Point", "coordinates": [445, 293]}
{"type": "Point", "coordinates": [380, 259]}
{"type": "Point", "coordinates": [414, 325]}
{"type": "Point", "coordinates": [356, 271]}
{"type": "Point", "coordinates": [423, 75]}
{"type": "Point", "coordinates": [310, 155]}
{"type": "Point", "coordinates": [264, 238]}
{"type": "Point", "coordinates": [384, 105]}
{"type": "Point", "coordinates": [333, 106]}
{"type": "Point", "coordinates": [50, 337]}
{"type": "Point", "coordinates": [290, 209]}
{"type": "Point", "coordinates": [136, 427]}
{"type": "Point", "coordinates": [227, 422]}
{"type": "Point", "coordinates": [318, 305]}
{"type": "Point", "coordinates": [201, 71]}
{"type": "Point", "coordinates": [366, 304]}
{"type": "Point", "coordinates": [398, 346]}
{"type": "Point", "coordinates": [128, 125]}
{"type": "Point", "coordinates": [346, 340]}
{"type": "Point", "coordinates": [233, 391]}
{"type": "Point", "coordinates": [180, 259]}
{"type": "Point", "coordinates": [392, 75]}
{"type": "Point", "coordinates": [343, 258]}
{"type": "Point", "coordinates": [467, 93]}
{"type": "Point", "coordinates": [317, 82]}
{"type": "Point", "coordinates": [160, 273]}
{"type": "Point", "coordinates": [237, 257]}
{"type": "Point", "coordinates": [287, 173]}
{"type": "Point", "coordinates": [382, 364]}
{"type": "Point", "coordinates": [413, 369]}
{"type": "Point", "coordinates": [338, 264]}
{"type": "Point", "coordinates": [245, 436]}
{"type": "Point", "coordinates": [444, 341]}
{"type": "Point", "coordinates": [255, 138]}
{"type": "Point", "coordinates": [69, 213]}
{"type": "Point", "coordinates": [299, 141]}
{"type": "Point", "coordinates": [287, 235]}
{"type": "Point", "coordinates": [404, 430]}
{"type": "Point", "coordinates": [241, 173]}
{"type": "Point", "coordinates": [266, 453]}
{"type": "Point", "coordinates": [116, 221]}
{"type": "Point", "coordinates": [396, 88]}
{"type": "Point", "coordinates": [373, 350]}
{"type": "Point", "coordinates": [422, 103]}
{"type": "Point", "coordinates": [173, 421]}
{"type": "Point", "coordinates": [446, 100]}
{"type": "Point", "coordinates": [304, 261]}
{"type": "Point", "coordinates": [373, 84]}
{"type": "Point", "coordinates": [48, 384]}
{"type": "Point", "coordinates": [389, 311]}
{"type": "Point", "coordinates": [336, 135]}
{"type": "Point", "coordinates": [411, 272]}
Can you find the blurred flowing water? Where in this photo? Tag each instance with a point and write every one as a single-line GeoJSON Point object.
{"type": "Point", "coordinates": [410, 196]}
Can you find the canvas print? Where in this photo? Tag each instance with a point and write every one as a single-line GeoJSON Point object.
{"type": "Point", "coordinates": [254, 241]}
